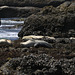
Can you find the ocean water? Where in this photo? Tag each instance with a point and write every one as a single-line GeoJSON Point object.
{"type": "Point", "coordinates": [9, 33]}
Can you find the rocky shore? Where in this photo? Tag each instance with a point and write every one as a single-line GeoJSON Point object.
{"type": "Point", "coordinates": [18, 60]}
{"type": "Point", "coordinates": [52, 23]}
{"type": "Point", "coordinates": [39, 64]}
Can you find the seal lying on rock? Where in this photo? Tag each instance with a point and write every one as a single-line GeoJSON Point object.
{"type": "Point", "coordinates": [45, 38]}
{"type": "Point", "coordinates": [4, 7]}
{"type": "Point", "coordinates": [36, 43]}
{"type": "Point", "coordinates": [3, 41]}
{"type": "Point", "coordinates": [32, 37]}
{"type": "Point", "coordinates": [37, 37]}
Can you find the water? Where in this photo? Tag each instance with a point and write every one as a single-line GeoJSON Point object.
{"type": "Point", "coordinates": [6, 28]}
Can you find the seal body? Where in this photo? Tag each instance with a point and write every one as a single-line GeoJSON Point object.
{"type": "Point", "coordinates": [37, 37]}
{"type": "Point", "coordinates": [5, 41]}
{"type": "Point", "coordinates": [4, 7]}
{"type": "Point", "coordinates": [35, 43]}
{"type": "Point", "coordinates": [32, 37]}
{"type": "Point", "coordinates": [29, 43]}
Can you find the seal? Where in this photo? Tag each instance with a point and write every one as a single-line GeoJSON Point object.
{"type": "Point", "coordinates": [36, 43]}
{"type": "Point", "coordinates": [5, 41]}
{"type": "Point", "coordinates": [37, 37]}
{"type": "Point", "coordinates": [32, 37]}
{"type": "Point", "coordinates": [4, 7]}
{"type": "Point", "coordinates": [29, 43]}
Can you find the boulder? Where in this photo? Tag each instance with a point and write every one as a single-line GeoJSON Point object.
{"type": "Point", "coordinates": [8, 12]}
{"type": "Point", "coordinates": [36, 3]}
{"type": "Point", "coordinates": [50, 21]}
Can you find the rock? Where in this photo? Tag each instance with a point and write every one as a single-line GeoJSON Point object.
{"type": "Point", "coordinates": [39, 64]}
{"type": "Point", "coordinates": [64, 5]}
{"type": "Point", "coordinates": [35, 3]}
{"type": "Point", "coordinates": [38, 72]}
{"type": "Point", "coordinates": [35, 43]}
{"type": "Point", "coordinates": [63, 40]}
{"type": "Point", "coordinates": [5, 70]}
{"type": "Point", "coordinates": [24, 50]}
{"type": "Point", "coordinates": [8, 12]}
{"type": "Point", "coordinates": [50, 21]}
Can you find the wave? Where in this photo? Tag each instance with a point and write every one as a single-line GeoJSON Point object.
{"type": "Point", "coordinates": [7, 33]}
{"type": "Point", "coordinates": [10, 22]}
{"type": "Point", "coordinates": [6, 26]}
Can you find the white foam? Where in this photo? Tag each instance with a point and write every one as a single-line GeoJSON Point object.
{"type": "Point", "coordinates": [11, 22]}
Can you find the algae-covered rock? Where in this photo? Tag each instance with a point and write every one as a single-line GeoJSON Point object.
{"type": "Point", "coordinates": [51, 21]}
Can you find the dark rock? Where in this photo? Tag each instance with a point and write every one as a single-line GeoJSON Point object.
{"type": "Point", "coordinates": [38, 72]}
{"type": "Point", "coordinates": [63, 40]}
{"type": "Point", "coordinates": [36, 3]}
{"type": "Point", "coordinates": [64, 5]}
{"type": "Point", "coordinates": [51, 21]}
{"type": "Point", "coordinates": [8, 12]}
{"type": "Point", "coordinates": [39, 65]}
{"type": "Point", "coordinates": [24, 50]}
{"type": "Point", "coordinates": [0, 21]}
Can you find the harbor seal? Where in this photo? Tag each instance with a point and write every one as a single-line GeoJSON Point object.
{"type": "Point", "coordinates": [5, 41]}
{"type": "Point", "coordinates": [4, 7]}
{"type": "Point", "coordinates": [37, 37]}
{"type": "Point", "coordinates": [32, 37]}
{"type": "Point", "coordinates": [36, 43]}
